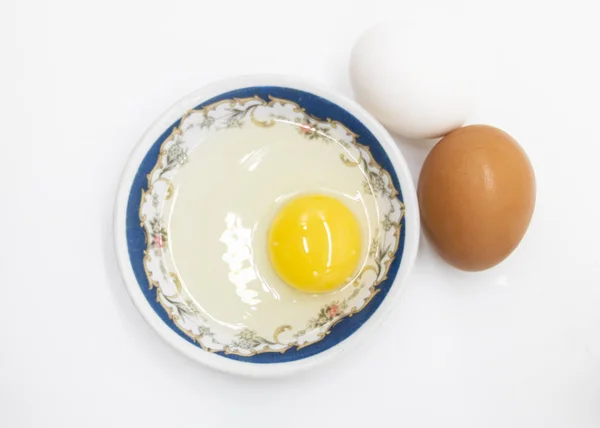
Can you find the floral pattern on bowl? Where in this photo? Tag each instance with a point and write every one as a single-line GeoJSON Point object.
{"type": "Point", "coordinates": [247, 112]}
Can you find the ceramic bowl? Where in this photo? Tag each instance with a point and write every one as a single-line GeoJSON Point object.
{"type": "Point", "coordinates": [208, 291]}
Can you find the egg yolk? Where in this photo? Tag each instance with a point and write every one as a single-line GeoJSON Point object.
{"type": "Point", "coordinates": [315, 243]}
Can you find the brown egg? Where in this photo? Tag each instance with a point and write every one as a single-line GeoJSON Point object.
{"type": "Point", "coordinates": [476, 195]}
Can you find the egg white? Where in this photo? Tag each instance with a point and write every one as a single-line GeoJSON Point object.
{"type": "Point", "coordinates": [226, 196]}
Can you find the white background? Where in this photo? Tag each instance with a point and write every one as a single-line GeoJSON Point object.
{"type": "Point", "coordinates": [517, 346]}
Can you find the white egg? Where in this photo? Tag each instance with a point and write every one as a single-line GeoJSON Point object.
{"type": "Point", "coordinates": [414, 75]}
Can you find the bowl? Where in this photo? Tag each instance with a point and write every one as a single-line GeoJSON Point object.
{"type": "Point", "coordinates": [171, 268]}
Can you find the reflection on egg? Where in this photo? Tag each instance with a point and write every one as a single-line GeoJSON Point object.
{"type": "Point", "coordinates": [315, 243]}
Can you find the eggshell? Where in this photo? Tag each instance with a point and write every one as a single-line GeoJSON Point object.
{"type": "Point", "coordinates": [412, 80]}
{"type": "Point", "coordinates": [476, 195]}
